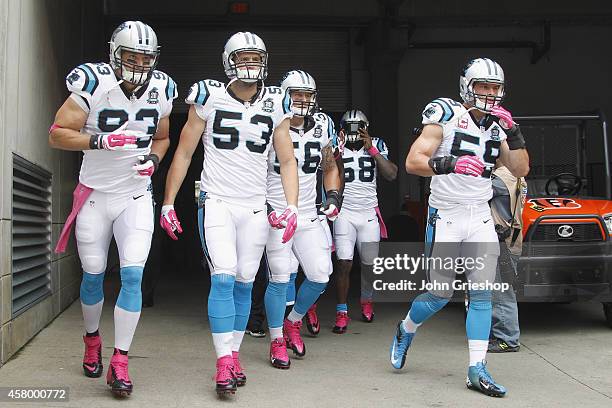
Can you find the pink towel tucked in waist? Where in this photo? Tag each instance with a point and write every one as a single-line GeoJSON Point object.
{"type": "Point", "coordinates": [79, 196]}
{"type": "Point", "coordinates": [383, 227]}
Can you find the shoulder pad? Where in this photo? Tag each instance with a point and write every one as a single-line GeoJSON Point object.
{"type": "Point", "coordinates": [200, 91]}
{"type": "Point", "coordinates": [380, 145]}
{"type": "Point", "coordinates": [328, 123]}
{"type": "Point", "coordinates": [84, 78]}
{"type": "Point", "coordinates": [323, 117]}
{"type": "Point", "coordinates": [277, 92]}
{"type": "Point", "coordinates": [274, 90]}
{"type": "Point", "coordinates": [166, 82]}
{"type": "Point", "coordinates": [440, 111]}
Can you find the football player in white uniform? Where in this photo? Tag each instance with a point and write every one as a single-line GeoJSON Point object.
{"type": "Point", "coordinates": [364, 157]}
{"type": "Point", "coordinates": [314, 143]}
{"type": "Point", "coordinates": [459, 147]}
{"type": "Point", "coordinates": [312, 319]}
{"type": "Point", "coordinates": [238, 122]}
{"type": "Point", "coordinates": [117, 114]}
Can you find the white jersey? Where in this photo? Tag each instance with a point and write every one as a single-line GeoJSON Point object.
{"type": "Point", "coordinates": [463, 136]}
{"type": "Point", "coordinates": [308, 144]}
{"type": "Point", "coordinates": [97, 91]}
{"type": "Point", "coordinates": [360, 175]}
{"type": "Point", "coordinates": [237, 139]}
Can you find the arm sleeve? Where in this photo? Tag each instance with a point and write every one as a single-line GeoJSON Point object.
{"type": "Point", "coordinates": [82, 82]}
{"type": "Point", "coordinates": [437, 112]}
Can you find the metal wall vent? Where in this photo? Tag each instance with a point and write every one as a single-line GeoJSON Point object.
{"type": "Point", "coordinates": [31, 233]}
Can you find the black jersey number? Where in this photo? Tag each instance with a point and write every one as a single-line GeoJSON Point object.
{"type": "Point", "coordinates": [110, 120]}
{"type": "Point", "coordinates": [491, 153]}
{"type": "Point", "coordinates": [221, 133]}
{"type": "Point", "coordinates": [103, 69]}
{"type": "Point", "coordinates": [312, 157]}
{"type": "Point", "coordinates": [214, 84]}
{"type": "Point", "coordinates": [366, 169]}
{"type": "Point", "coordinates": [159, 75]}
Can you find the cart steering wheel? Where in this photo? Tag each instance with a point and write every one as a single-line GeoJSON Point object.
{"type": "Point", "coordinates": [567, 184]}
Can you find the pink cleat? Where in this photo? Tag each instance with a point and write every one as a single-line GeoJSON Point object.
{"type": "Point", "coordinates": [278, 354]}
{"type": "Point", "coordinates": [117, 376]}
{"type": "Point", "coordinates": [367, 311]}
{"type": "Point", "coordinates": [240, 377]}
{"type": "Point", "coordinates": [342, 321]}
{"type": "Point", "coordinates": [291, 332]}
{"type": "Point", "coordinates": [92, 360]}
{"type": "Point", "coordinates": [225, 379]}
{"type": "Point", "coordinates": [312, 320]}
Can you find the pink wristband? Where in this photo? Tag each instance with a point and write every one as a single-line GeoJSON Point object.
{"type": "Point", "coordinates": [53, 127]}
{"type": "Point", "coordinates": [373, 151]}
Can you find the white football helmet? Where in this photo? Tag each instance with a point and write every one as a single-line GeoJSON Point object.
{"type": "Point", "coordinates": [245, 42]}
{"type": "Point", "coordinates": [304, 82]}
{"type": "Point", "coordinates": [351, 121]}
{"type": "Point", "coordinates": [137, 37]}
{"type": "Point", "coordinates": [481, 70]}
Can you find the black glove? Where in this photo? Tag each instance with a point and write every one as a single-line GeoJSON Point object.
{"type": "Point", "coordinates": [515, 138]}
{"type": "Point", "coordinates": [333, 204]}
{"type": "Point", "coordinates": [443, 165]}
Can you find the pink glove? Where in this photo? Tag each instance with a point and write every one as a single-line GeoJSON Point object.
{"type": "Point", "coordinates": [147, 165]}
{"type": "Point", "coordinates": [469, 165]}
{"type": "Point", "coordinates": [169, 221]}
{"type": "Point", "coordinates": [273, 220]}
{"type": "Point", "coordinates": [332, 206]}
{"type": "Point", "coordinates": [120, 139]}
{"type": "Point", "coordinates": [117, 141]}
{"type": "Point", "coordinates": [331, 212]}
{"type": "Point", "coordinates": [505, 117]}
{"type": "Point", "coordinates": [287, 220]}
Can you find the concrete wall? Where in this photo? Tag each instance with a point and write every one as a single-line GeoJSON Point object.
{"type": "Point", "coordinates": [40, 41]}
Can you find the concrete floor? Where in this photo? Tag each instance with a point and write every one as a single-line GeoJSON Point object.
{"type": "Point", "coordinates": [565, 361]}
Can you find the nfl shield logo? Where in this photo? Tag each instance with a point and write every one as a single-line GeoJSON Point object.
{"type": "Point", "coordinates": [268, 105]}
{"type": "Point", "coordinates": [153, 96]}
{"type": "Point", "coordinates": [495, 133]}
